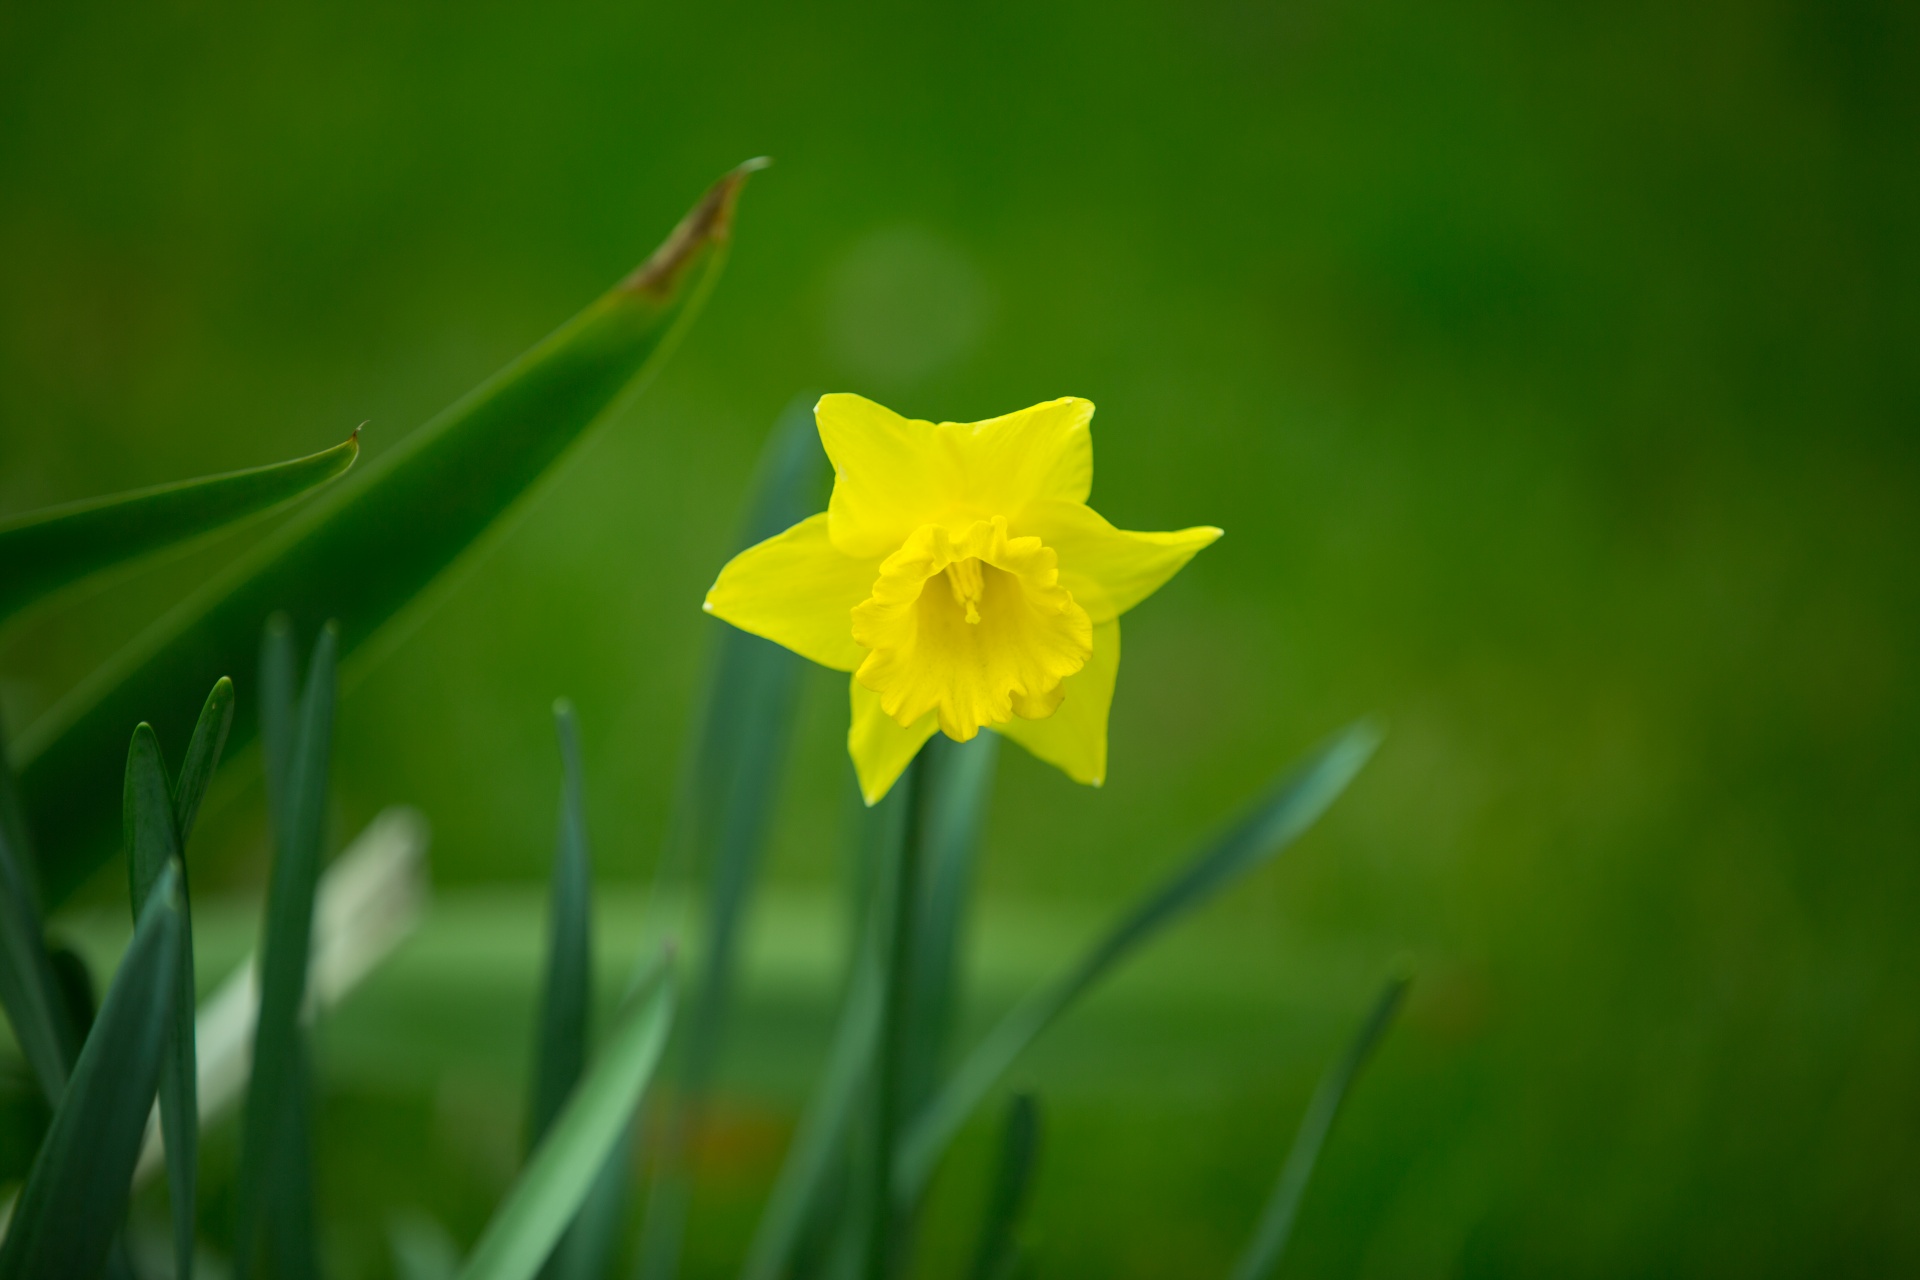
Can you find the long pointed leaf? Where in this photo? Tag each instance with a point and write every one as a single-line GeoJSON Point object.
{"type": "Point", "coordinates": [272, 1143]}
{"type": "Point", "coordinates": [43, 551]}
{"type": "Point", "coordinates": [364, 551]}
{"type": "Point", "coordinates": [153, 850]}
{"type": "Point", "coordinates": [1295, 802]}
{"type": "Point", "coordinates": [1283, 1206]}
{"type": "Point", "coordinates": [29, 989]}
{"type": "Point", "coordinates": [203, 757]}
{"type": "Point", "coordinates": [727, 800]}
{"type": "Point", "coordinates": [998, 1251]}
{"type": "Point", "coordinates": [76, 1196]}
{"type": "Point", "coordinates": [563, 1169]}
{"type": "Point", "coordinates": [560, 1049]}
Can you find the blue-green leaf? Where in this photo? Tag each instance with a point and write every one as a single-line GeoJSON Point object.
{"type": "Point", "coordinates": [153, 850]}
{"type": "Point", "coordinates": [29, 988]}
{"type": "Point", "coordinates": [1270, 1237]}
{"type": "Point", "coordinates": [203, 757]}
{"type": "Point", "coordinates": [997, 1254]}
{"type": "Point", "coordinates": [560, 1045]}
{"type": "Point", "coordinates": [568, 1160]}
{"type": "Point", "coordinates": [366, 549]}
{"type": "Point", "coordinates": [1294, 803]}
{"type": "Point", "coordinates": [273, 1173]}
{"type": "Point", "coordinates": [76, 1196]}
{"type": "Point", "coordinates": [43, 551]}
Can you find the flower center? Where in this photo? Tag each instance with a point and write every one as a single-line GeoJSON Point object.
{"type": "Point", "coordinates": [994, 644]}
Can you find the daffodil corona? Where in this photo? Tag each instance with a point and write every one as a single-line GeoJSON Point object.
{"type": "Point", "coordinates": [959, 574]}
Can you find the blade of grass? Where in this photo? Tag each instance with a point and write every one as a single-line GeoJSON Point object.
{"type": "Point", "coordinates": [76, 1196]}
{"type": "Point", "coordinates": [728, 798]}
{"type": "Point", "coordinates": [365, 550]}
{"type": "Point", "coordinates": [563, 1169]}
{"type": "Point", "coordinates": [271, 1141]}
{"type": "Point", "coordinates": [29, 988]}
{"type": "Point", "coordinates": [560, 1045]}
{"type": "Point", "coordinates": [998, 1251]}
{"type": "Point", "coordinates": [822, 1140]}
{"type": "Point", "coordinates": [1293, 804]}
{"type": "Point", "coordinates": [1270, 1236]}
{"type": "Point", "coordinates": [43, 551]}
{"type": "Point", "coordinates": [203, 757]}
{"type": "Point", "coordinates": [153, 850]}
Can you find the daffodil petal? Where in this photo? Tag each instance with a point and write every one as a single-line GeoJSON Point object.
{"type": "Point", "coordinates": [890, 474]}
{"type": "Point", "coordinates": [881, 749]}
{"type": "Point", "coordinates": [798, 590]}
{"type": "Point", "coordinates": [1074, 738]}
{"type": "Point", "coordinates": [1110, 570]}
{"type": "Point", "coordinates": [1039, 454]}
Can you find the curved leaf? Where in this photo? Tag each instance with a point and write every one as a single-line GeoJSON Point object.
{"type": "Point", "coordinates": [43, 551]}
{"type": "Point", "coordinates": [368, 548]}
{"type": "Point", "coordinates": [76, 1196]}
{"type": "Point", "coordinates": [1295, 802]}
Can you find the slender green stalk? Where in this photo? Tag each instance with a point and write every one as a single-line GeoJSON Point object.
{"type": "Point", "coordinates": [1263, 1252]}
{"type": "Point", "coordinates": [885, 1225]}
{"type": "Point", "coordinates": [998, 1252]}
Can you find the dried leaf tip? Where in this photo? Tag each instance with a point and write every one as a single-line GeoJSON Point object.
{"type": "Point", "coordinates": [709, 222]}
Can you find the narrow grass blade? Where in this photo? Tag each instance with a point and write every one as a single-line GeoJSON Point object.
{"type": "Point", "coordinates": [959, 782]}
{"type": "Point", "coordinates": [365, 550]}
{"type": "Point", "coordinates": [153, 850]}
{"type": "Point", "coordinates": [560, 1049]}
{"type": "Point", "coordinates": [271, 1139]}
{"type": "Point", "coordinates": [808, 1174]}
{"type": "Point", "coordinates": [203, 757]}
{"type": "Point", "coordinates": [726, 808]}
{"type": "Point", "coordinates": [1270, 1237]}
{"type": "Point", "coordinates": [43, 551]}
{"type": "Point", "coordinates": [1294, 803]}
{"type": "Point", "coordinates": [76, 1196]}
{"type": "Point", "coordinates": [279, 694]}
{"type": "Point", "coordinates": [563, 1169]}
{"type": "Point", "coordinates": [998, 1252]}
{"type": "Point", "coordinates": [29, 988]}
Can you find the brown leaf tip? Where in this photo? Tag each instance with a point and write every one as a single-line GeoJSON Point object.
{"type": "Point", "coordinates": [709, 222]}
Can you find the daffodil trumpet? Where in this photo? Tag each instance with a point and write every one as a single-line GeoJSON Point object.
{"type": "Point", "coordinates": [961, 578]}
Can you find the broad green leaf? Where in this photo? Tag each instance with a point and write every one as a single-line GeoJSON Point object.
{"type": "Point", "coordinates": [273, 1173]}
{"type": "Point", "coordinates": [997, 1254]}
{"type": "Point", "coordinates": [203, 757]}
{"type": "Point", "coordinates": [821, 1143]}
{"type": "Point", "coordinates": [29, 988]}
{"type": "Point", "coordinates": [43, 551]}
{"type": "Point", "coordinates": [564, 1167]}
{"type": "Point", "coordinates": [1270, 1237]}
{"type": "Point", "coordinates": [560, 1046]}
{"type": "Point", "coordinates": [153, 850]}
{"type": "Point", "coordinates": [728, 796]}
{"type": "Point", "coordinates": [76, 1196]}
{"type": "Point", "coordinates": [1294, 803]}
{"type": "Point", "coordinates": [372, 544]}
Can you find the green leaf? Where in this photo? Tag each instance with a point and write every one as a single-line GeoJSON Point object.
{"type": "Point", "coordinates": [564, 1167]}
{"type": "Point", "coordinates": [29, 988]}
{"type": "Point", "coordinates": [1294, 803]}
{"type": "Point", "coordinates": [369, 547]}
{"type": "Point", "coordinates": [43, 551]}
{"type": "Point", "coordinates": [728, 798]}
{"type": "Point", "coordinates": [560, 1047]}
{"type": "Point", "coordinates": [997, 1255]}
{"type": "Point", "coordinates": [76, 1196]}
{"type": "Point", "coordinates": [1270, 1236]}
{"type": "Point", "coordinates": [814, 1156]}
{"type": "Point", "coordinates": [273, 1172]}
{"type": "Point", "coordinates": [203, 757]}
{"type": "Point", "coordinates": [153, 851]}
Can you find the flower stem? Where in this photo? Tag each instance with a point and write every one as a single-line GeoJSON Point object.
{"type": "Point", "coordinates": [885, 1224]}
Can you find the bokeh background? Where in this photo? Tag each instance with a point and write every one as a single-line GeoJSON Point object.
{"type": "Point", "coordinates": [1553, 370]}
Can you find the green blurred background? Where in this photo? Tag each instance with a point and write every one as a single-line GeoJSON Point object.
{"type": "Point", "coordinates": [1553, 371]}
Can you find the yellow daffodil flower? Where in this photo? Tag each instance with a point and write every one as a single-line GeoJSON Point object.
{"type": "Point", "coordinates": [959, 574]}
